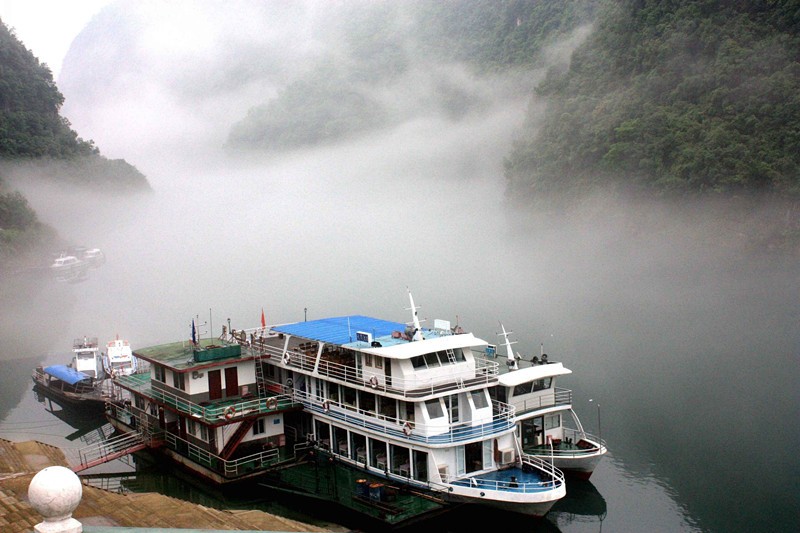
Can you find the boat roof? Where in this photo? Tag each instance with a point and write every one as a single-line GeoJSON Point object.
{"type": "Point", "coordinates": [343, 331]}
{"type": "Point", "coordinates": [66, 374]}
{"type": "Point", "coordinates": [532, 373]}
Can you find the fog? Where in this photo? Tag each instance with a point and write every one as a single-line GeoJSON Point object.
{"type": "Point", "coordinates": [660, 315]}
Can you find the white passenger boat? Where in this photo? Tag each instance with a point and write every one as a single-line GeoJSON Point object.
{"type": "Point", "coordinates": [118, 359]}
{"type": "Point", "coordinates": [87, 358]}
{"type": "Point", "coordinates": [547, 425]}
{"type": "Point", "coordinates": [400, 406]}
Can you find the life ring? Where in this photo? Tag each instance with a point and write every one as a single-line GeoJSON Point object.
{"type": "Point", "coordinates": [287, 358]}
{"type": "Point", "coordinates": [272, 403]}
{"type": "Point", "coordinates": [230, 412]}
{"type": "Point", "coordinates": [326, 405]}
{"type": "Point", "coordinates": [373, 382]}
{"type": "Point", "coordinates": [407, 429]}
{"type": "Point", "coordinates": [289, 382]}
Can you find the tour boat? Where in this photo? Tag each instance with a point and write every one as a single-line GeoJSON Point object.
{"type": "Point", "coordinates": [406, 410]}
{"type": "Point", "coordinates": [547, 425]}
{"type": "Point", "coordinates": [118, 360]}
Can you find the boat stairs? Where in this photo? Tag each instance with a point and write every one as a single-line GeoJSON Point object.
{"type": "Point", "coordinates": [113, 448]}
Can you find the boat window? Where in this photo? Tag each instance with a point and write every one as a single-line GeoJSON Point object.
{"type": "Point", "coordinates": [409, 411]}
{"type": "Point", "coordinates": [179, 380]}
{"type": "Point", "coordinates": [431, 359]}
{"type": "Point", "coordinates": [452, 407]}
{"type": "Point", "coordinates": [203, 432]}
{"type": "Point", "coordinates": [418, 362]}
{"type": "Point", "coordinates": [349, 396]}
{"type": "Point", "coordinates": [333, 392]}
{"type": "Point", "coordinates": [367, 359]}
{"type": "Point", "coordinates": [160, 373]}
{"type": "Point", "coordinates": [366, 401]}
{"type": "Point", "coordinates": [401, 460]}
{"type": "Point", "coordinates": [523, 388]}
{"type": "Point", "coordinates": [542, 384]}
{"type": "Point", "coordinates": [420, 466]}
{"type": "Point", "coordinates": [258, 427]}
{"type": "Point", "coordinates": [377, 454]}
{"type": "Point", "coordinates": [552, 421]}
{"type": "Point", "coordinates": [388, 407]}
{"type": "Point", "coordinates": [434, 408]}
{"type": "Point", "coordinates": [378, 361]}
{"type": "Point", "coordinates": [138, 401]}
{"type": "Point", "coordinates": [479, 399]}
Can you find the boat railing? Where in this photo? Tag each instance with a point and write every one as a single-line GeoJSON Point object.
{"type": "Point", "coordinates": [461, 375]}
{"type": "Point", "coordinates": [501, 420]}
{"type": "Point", "coordinates": [580, 443]}
{"type": "Point", "coordinates": [228, 467]}
{"type": "Point", "coordinates": [552, 479]}
{"type": "Point", "coordinates": [552, 398]}
{"type": "Point", "coordinates": [212, 411]}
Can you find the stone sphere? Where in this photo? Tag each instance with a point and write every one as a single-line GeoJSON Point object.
{"type": "Point", "coordinates": [55, 492]}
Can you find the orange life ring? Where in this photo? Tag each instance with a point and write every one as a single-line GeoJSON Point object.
{"type": "Point", "coordinates": [287, 357]}
{"type": "Point", "coordinates": [373, 382]}
{"type": "Point", "coordinates": [230, 412]}
{"type": "Point", "coordinates": [407, 429]}
{"type": "Point", "coordinates": [272, 403]}
{"type": "Point", "coordinates": [326, 405]}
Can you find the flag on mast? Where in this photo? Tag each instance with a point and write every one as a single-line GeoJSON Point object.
{"type": "Point", "coordinates": [263, 319]}
{"type": "Point", "coordinates": [194, 333]}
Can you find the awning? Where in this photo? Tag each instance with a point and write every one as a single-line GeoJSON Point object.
{"type": "Point", "coordinates": [66, 374]}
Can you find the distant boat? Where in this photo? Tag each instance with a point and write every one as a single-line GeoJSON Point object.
{"type": "Point", "coordinates": [68, 267]}
{"type": "Point", "coordinates": [118, 360]}
{"type": "Point", "coordinates": [94, 257]}
{"type": "Point", "coordinates": [547, 426]}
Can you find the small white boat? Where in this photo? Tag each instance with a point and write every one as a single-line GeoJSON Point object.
{"type": "Point", "coordinates": [547, 426]}
{"type": "Point", "coordinates": [118, 359]}
{"type": "Point", "coordinates": [86, 357]}
{"type": "Point", "coordinates": [68, 267]}
{"type": "Point", "coordinates": [94, 257]}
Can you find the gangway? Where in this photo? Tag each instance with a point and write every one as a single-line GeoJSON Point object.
{"type": "Point", "coordinates": [108, 450]}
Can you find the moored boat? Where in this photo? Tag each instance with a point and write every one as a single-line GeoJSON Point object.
{"type": "Point", "coordinates": [547, 425]}
{"type": "Point", "coordinates": [406, 406]}
{"type": "Point", "coordinates": [87, 358]}
{"type": "Point", "coordinates": [118, 359]}
{"type": "Point", "coordinates": [68, 268]}
{"type": "Point", "coordinates": [70, 386]}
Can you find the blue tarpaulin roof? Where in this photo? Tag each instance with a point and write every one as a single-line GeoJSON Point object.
{"type": "Point", "coordinates": [340, 330]}
{"type": "Point", "coordinates": [66, 374]}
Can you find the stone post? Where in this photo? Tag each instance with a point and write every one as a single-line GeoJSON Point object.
{"type": "Point", "coordinates": [55, 493]}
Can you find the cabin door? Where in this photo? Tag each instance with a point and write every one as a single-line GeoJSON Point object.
{"type": "Point", "coordinates": [231, 381]}
{"type": "Point", "coordinates": [214, 385]}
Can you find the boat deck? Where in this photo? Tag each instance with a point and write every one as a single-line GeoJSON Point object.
{"type": "Point", "coordinates": [329, 480]}
{"type": "Point", "coordinates": [524, 480]}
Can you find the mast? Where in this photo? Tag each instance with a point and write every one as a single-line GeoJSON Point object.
{"type": "Point", "coordinates": [417, 328]}
{"type": "Point", "coordinates": [512, 361]}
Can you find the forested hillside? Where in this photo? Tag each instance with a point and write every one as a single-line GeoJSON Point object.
{"type": "Point", "coordinates": [671, 99]}
{"type": "Point", "coordinates": [37, 143]}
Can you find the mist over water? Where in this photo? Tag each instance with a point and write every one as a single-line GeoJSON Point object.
{"type": "Point", "coordinates": [689, 347]}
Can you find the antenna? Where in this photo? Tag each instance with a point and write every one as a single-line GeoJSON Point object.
{"type": "Point", "coordinates": [417, 328]}
{"type": "Point", "coordinates": [512, 361]}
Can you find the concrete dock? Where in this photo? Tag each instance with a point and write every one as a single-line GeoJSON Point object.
{"type": "Point", "coordinates": [20, 461]}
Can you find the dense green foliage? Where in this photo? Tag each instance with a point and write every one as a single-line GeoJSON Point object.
{"type": "Point", "coordinates": [374, 48]}
{"type": "Point", "coordinates": [680, 97]}
{"type": "Point", "coordinates": [30, 125]}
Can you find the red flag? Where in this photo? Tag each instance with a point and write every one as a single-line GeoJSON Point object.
{"type": "Point", "coordinates": [263, 319]}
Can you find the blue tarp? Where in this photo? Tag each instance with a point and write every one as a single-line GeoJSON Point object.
{"type": "Point", "coordinates": [66, 374]}
{"type": "Point", "coordinates": [341, 330]}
